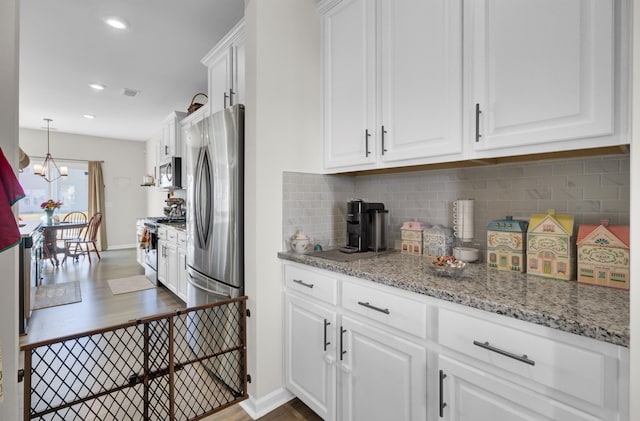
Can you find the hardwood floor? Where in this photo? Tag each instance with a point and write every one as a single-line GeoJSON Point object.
{"type": "Point", "coordinates": [293, 410]}
{"type": "Point", "coordinates": [100, 308]}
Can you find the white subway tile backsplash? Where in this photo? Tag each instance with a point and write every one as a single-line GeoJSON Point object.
{"type": "Point", "coordinates": [589, 188]}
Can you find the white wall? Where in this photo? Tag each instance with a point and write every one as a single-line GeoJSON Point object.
{"type": "Point", "coordinates": [282, 134]}
{"type": "Point", "coordinates": [123, 167]}
{"type": "Point", "coordinates": [635, 223]}
{"type": "Point", "coordinates": [9, 32]}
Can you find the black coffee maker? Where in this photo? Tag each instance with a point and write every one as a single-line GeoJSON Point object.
{"type": "Point", "coordinates": [361, 217]}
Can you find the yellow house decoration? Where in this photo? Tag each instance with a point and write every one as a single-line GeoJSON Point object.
{"type": "Point", "coordinates": [603, 255]}
{"type": "Point", "coordinates": [550, 246]}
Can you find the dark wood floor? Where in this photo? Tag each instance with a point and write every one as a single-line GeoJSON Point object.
{"type": "Point", "coordinates": [100, 308]}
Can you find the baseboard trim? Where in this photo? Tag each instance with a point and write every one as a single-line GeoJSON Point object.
{"type": "Point", "coordinates": [121, 247]}
{"type": "Point", "coordinates": [257, 408]}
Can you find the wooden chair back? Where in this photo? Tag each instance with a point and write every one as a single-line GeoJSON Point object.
{"type": "Point", "coordinates": [76, 216]}
{"type": "Point", "coordinates": [92, 229]}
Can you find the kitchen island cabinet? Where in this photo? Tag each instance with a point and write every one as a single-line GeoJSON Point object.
{"type": "Point", "coordinates": [479, 359]}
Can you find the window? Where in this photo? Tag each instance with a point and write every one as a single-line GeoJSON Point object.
{"type": "Point", "coordinates": [72, 191]}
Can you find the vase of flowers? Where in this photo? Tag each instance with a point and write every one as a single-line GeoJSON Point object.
{"type": "Point", "coordinates": [49, 207]}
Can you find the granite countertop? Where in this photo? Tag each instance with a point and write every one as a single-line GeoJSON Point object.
{"type": "Point", "coordinates": [595, 312]}
{"type": "Point", "coordinates": [29, 227]}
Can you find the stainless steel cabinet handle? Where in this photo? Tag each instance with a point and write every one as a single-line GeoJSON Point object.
{"type": "Point", "coordinates": [231, 94]}
{"type": "Point", "coordinates": [443, 404]}
{"type": "Point", "coordinates": [326, 323]}
{"type": "Point", "coordinates": [225, 100]}
{"type": "Point", "coordinates": [342, 351]}
{"type": "Point", "coordinates": [304, 284]}
{"type": "Point", "coordinates": [366, 142]}
{"type": "Point", "coordinates": [166, 149]}
{"type": "Point", "coordinates": [478, 112]}
{"type": "Point", "coordinates": [522, 358]}
{"type": "Point", "coordinates": [381, 310]}
{"type": "Point", "coordinates": [383, 133]}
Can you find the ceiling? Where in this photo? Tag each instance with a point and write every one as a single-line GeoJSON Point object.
{"type": "Point", "coordinates": [65, 45]}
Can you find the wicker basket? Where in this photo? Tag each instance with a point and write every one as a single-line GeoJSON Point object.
{"type": "Point", "coordinates": [195, 105]}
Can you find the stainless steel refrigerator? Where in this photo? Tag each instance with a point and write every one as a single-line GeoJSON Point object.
{"type": "Point", "coordinates": [215, 246]}
{"type": "Point", "coordinates": [215, 214]}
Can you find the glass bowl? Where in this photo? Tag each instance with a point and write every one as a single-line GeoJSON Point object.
{"type": "Point", "coordinates": [450, 271]}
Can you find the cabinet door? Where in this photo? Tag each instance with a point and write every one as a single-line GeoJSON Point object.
{"type": "Point", "coordinates": [310, 349]}
{"type": "Point", "coordinates": [348, 35]}
{"type": "Point", "coordinates": [383, 376]}
{"type": "Point", "coordinates": [237, 74]}
{"type": "Point", "coordinates": [219, 80]}
{"type": "Point", "coordinates": [421, 78]}
{"type": "Point", "coordinates": [162, 262]}
{"type": "Point", "coordinates": [543, 73]}
{"type": "Point", "coordinates": [182, 274]}
{"type": "Point", "coordinates": [172, 268]}
{"type": "Point", "coordinates": [470, 394]}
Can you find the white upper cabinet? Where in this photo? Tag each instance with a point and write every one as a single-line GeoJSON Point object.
{"type": "Point", "coordinates": [348, 34]}
{"type": "Point", "coordinates": [543, 75]}
{"type": "Point", "coordinates": [411, 82]}
{"type": "Point", "coordinates": [392, 81]}
{"type": "Point", "coordinates": [420, 79]}
{"type": "Point", "coordinates": [225, 64]}
{"type": "Point", "coordinates": [170, 142]}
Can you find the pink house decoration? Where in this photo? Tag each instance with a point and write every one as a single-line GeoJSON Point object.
{"type": "Point", "coordinates": [550, 246]}
{"type": "Point", "coordinates": [411, 232]}
{"type": "Point", "coordinates": [603, 255]}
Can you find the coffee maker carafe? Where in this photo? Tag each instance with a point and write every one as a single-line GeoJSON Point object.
{"type": "Point", "coordinates": [364, 230]}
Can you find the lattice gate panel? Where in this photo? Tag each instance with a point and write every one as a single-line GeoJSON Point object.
{"type": "Point", "coordinates": [178, 366]}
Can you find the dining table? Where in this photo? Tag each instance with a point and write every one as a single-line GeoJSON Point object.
{"type": "Point", "coordinates": [50, 235]}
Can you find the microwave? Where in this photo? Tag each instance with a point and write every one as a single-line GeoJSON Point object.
{"type": "Point", "coordinates": [170, 174]}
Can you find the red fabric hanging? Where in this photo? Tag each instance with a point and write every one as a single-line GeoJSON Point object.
{"type": "Point", "coordinates": [10, 192]}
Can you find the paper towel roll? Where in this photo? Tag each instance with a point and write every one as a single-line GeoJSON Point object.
{"type": "Point", "coordinates": [463, 219]}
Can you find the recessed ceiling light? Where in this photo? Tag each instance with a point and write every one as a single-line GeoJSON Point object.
{"type": "Point", "coordinates": [97, 86]}
{"type": "Point", "coordinates": [89, 116]}
{"type": "Point", "coordinates": [116, 22]}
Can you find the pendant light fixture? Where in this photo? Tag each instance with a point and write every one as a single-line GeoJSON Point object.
{"type": "Point", "coordinates": [49, 170]}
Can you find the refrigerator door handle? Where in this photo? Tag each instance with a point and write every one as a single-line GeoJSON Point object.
{"type": "Point", "coordinates": [203, 205]}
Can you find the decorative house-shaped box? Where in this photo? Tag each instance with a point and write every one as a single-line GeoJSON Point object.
{"type": "Point", "coordinates": [411, 233]}
{"type": "Point", "coordinates": [437, 241]}
{"type": "Point", "coordinates": [550, 246]}
{"type": "Point", "coordinates": [603, 255]}
{"type": "Point", "coordinates": [506, 244]}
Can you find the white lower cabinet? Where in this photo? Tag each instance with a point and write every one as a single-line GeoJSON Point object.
{"type": "Point", "coordinates": [469, 394]}
{"type": "Point", "coordinates": [172, 269]}
{"type": "Point", "coordinates": [357, 350]}
{"type": "Point", "coordinates": [382, 376]}
{"type": "Point", "coordinates": [310, 354]}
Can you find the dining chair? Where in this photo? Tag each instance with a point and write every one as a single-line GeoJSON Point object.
{"type": "Point", "coordinates": [77, 247]}
{"type": "Point", "coordinates": [70, 233]}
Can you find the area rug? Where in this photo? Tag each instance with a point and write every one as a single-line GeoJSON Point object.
{"type": "Point", "coordinates": [56, 295]}
{"type": "Point", "coordinates": [130, 284]}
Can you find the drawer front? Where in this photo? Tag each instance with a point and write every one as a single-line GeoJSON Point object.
{"type": "Point", "coordinates": [172, 235]}
{"type": "Point", "coordinates": [567, 368]}
{"type": "Point", "coordinates": [182, 238]}
{"type": "Point", "coordinates": [311, 283]}
{"type": "Point", "coordinates": [162, 233]}
{"type": "Point", "coordinates": [397, 311]}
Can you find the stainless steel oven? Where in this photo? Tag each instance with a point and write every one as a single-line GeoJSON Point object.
{"type": "Point", "coordinates": [151, 252]}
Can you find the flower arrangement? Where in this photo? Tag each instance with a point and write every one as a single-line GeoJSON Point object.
{"type": "Point", "coordinates": [50, 205]}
